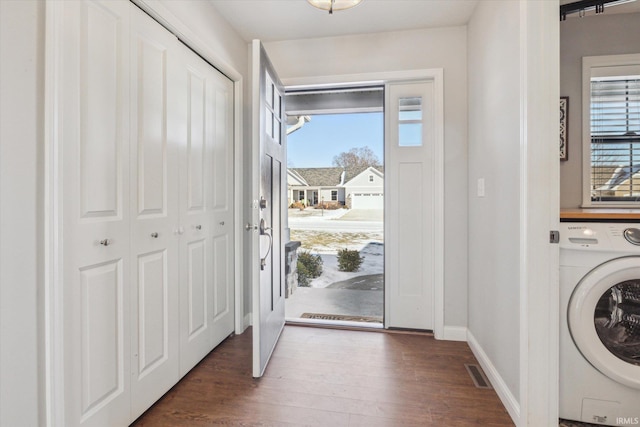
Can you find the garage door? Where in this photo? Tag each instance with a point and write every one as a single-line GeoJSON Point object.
{"type": "Point", "coordinates": [367, 201]}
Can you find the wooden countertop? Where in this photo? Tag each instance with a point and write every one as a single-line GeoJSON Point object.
{"type": "Point", "coordinates": [602, 214]}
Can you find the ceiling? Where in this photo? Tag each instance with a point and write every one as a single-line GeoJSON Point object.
{"type": "Point", "coordinates": [271, 20]}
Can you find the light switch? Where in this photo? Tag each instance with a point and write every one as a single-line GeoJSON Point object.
{"type": "Point", "coordinates": [480, 187]}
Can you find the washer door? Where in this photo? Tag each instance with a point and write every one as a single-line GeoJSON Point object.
{"type": "Point", "coordinates": [604, 319]}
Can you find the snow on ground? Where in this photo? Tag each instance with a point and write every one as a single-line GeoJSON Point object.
{"type": "Point", "coordinates": [312, 214]}
{"type": "Point", "coordinates": [324, 233]}
{"type": "Point", "coordinates": [373, 264]}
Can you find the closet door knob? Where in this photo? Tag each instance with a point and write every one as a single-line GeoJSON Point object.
{"type": "Point", "coordinates": [198, 227]}
{"type": "Point", "coordinates": [105, 242]}
{"type": "Point", "coordinates": [154, 235]}
{"type": "Point", "coordinates": [221, 222]}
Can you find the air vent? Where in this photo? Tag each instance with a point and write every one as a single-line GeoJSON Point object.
{"type": "Point", "coordinates": [478, 377]}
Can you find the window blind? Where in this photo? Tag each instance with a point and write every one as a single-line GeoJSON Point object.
{"type": "Point", "coordinates": [615, 139]}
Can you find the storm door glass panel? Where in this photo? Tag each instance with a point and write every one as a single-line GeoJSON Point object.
{"type": "Point", "coordinates": [617, 320]}
{"type": "Point", "coordinates": [410, 122]}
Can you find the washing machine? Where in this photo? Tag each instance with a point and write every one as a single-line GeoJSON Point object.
{"type": "Point", "coordinates": [600, 322]}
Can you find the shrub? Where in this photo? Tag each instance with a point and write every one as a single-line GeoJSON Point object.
{"type": "Point", "coordinates": [328, 205]}
{"type": "Point", "coordinates": [309, 267]}
{"type": "Point", "coordinates": [349, 260]}
{"type": "Point", "coordinates": [297, 205]}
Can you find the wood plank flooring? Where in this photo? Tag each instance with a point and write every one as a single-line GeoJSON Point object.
{"type": "Point", "coordinates": [329, 377]}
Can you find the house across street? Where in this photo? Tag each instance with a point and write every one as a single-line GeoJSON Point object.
{"type": "Point", "coordinates": [356, 189]}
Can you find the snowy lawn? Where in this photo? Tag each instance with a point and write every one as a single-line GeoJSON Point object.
{"type": "Point", "coordinates": [324, 233]}
{"type": "Point", "coordinates": [373, 264]}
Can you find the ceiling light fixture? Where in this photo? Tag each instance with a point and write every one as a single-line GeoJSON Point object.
{"type": "Point", "coordinates": [332, 5]}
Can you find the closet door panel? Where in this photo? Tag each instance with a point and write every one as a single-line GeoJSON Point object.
{"type": "Point", "coordinates": [101, 119]}
{"type": "Point", "coordinates": [222, 200]}
{"type": "Point", "coordinates": [154, 212]}
{"type": "Point", "coordinates": [95, 236]}
{"type": "Point", "coordinates": [195, 212]}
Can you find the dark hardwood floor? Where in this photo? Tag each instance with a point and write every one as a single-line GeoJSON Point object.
{"type": "Point", "coordinates": [329, 377]}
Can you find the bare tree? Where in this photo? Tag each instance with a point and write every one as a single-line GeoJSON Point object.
{"type": "Point", "coordinates": [356, 158]}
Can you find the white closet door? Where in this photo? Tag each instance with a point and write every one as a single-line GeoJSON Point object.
{"type": "Point", "coordinates": [154, 212]}
{"type": "Point", "coordinates": [222, 237]}
{"type": "Point", "coordinates": [94, 146]}
{"type": "Point", "coordinates": [197, 107]}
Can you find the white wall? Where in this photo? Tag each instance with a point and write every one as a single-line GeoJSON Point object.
{"type": "Point", "coordinates": [21, 135]}
{"type": "Point", "coordinates": [588, 36]}
{"type": "Point", "coordinates": [513, 268]}
{"type": "Point", "coordinates": [397, 51]}
{"type": "Point", "coordinates": [494, 155]}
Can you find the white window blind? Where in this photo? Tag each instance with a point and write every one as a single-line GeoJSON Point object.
{"type": "Point", "coordinates": [615, 139]}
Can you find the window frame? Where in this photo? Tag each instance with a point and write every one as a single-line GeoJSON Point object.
{"type": "Point", "coordinates": [589, 64]}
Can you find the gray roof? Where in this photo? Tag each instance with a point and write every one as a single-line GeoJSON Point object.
{"type": "Point", "coordinates": [328, 177]}
{"type": "Point", "coordinates": [320, 177]}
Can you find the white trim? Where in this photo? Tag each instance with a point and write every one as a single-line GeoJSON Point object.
{"type": "Point", "coordinates": [356, 80]}
{"type": "Point", "coordinates": [238, 283]}
{"type": "Point", "coordinates": [506, 396]}
{"type": "Point", "coordinates": [538, 213]}
{"type": "Point", "coordinates": [523, 303]}
{"type": "Point", "coordinates": [455, 333]}
{"type": "Point", "coordinates": [53, 306]}
{"type": "Point", "coordinates": [248, 320]}
{"type": "Point", "coordinates": [589, 62]}
{"type": "Point", "coordinates": [438, 274]}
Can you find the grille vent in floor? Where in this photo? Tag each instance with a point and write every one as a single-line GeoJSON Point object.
{"type": "Point", "coordinates": [478, 377]}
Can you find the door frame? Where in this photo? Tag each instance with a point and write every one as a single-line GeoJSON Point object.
{"type": "Point", "coordinates": [52, 319]}
{"type": "Point", "coordinates": [382, 79]}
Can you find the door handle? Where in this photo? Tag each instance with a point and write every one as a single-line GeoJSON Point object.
{"type": "Point", "coordinates": [264, 232]}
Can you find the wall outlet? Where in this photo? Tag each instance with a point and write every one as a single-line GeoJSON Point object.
{"type": "Point", "coordinates": [480, 187]}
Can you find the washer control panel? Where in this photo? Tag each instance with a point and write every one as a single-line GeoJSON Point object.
{"type": "Point", "coordinates": [600, 236]}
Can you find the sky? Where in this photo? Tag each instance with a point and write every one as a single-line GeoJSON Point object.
{"type": "Point", "coordinates": [327, 135]}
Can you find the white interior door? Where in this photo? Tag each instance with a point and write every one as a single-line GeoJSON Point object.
{"type": "Point", "coordinates": [206, 208]}
{"type": "Point", "coordinates": [269, 187]}
{"type": "Point", "coordinates": [411, 205]}
{"type": "Point", "coordinates": [196, 107]}
{"type": "Point", "coordinates": [95, 210]}
{"type": "Point", "coordinates": [154, 211]}
{"type": "Point", "coordinates": [222, 209]}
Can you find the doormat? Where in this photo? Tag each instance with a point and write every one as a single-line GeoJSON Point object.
{"type": "Point", "coordinates": [340, 317]}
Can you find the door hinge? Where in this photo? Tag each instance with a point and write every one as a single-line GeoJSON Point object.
{"type": "Point", "coordinates": [554, 236]}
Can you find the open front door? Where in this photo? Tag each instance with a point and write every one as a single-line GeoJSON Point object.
{"type": "Point", "coordinates": [269, 197]}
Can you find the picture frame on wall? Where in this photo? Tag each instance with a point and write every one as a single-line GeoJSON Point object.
{"type": "Point", "coordinates": [564, 131]}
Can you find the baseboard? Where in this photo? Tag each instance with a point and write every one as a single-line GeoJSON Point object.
{"type": "Point", "coordinates": [248, 320]}
{"type": "Point", "coordinates": [508, 399]}
{"type": "Point", "coordinates": [455, 333]}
